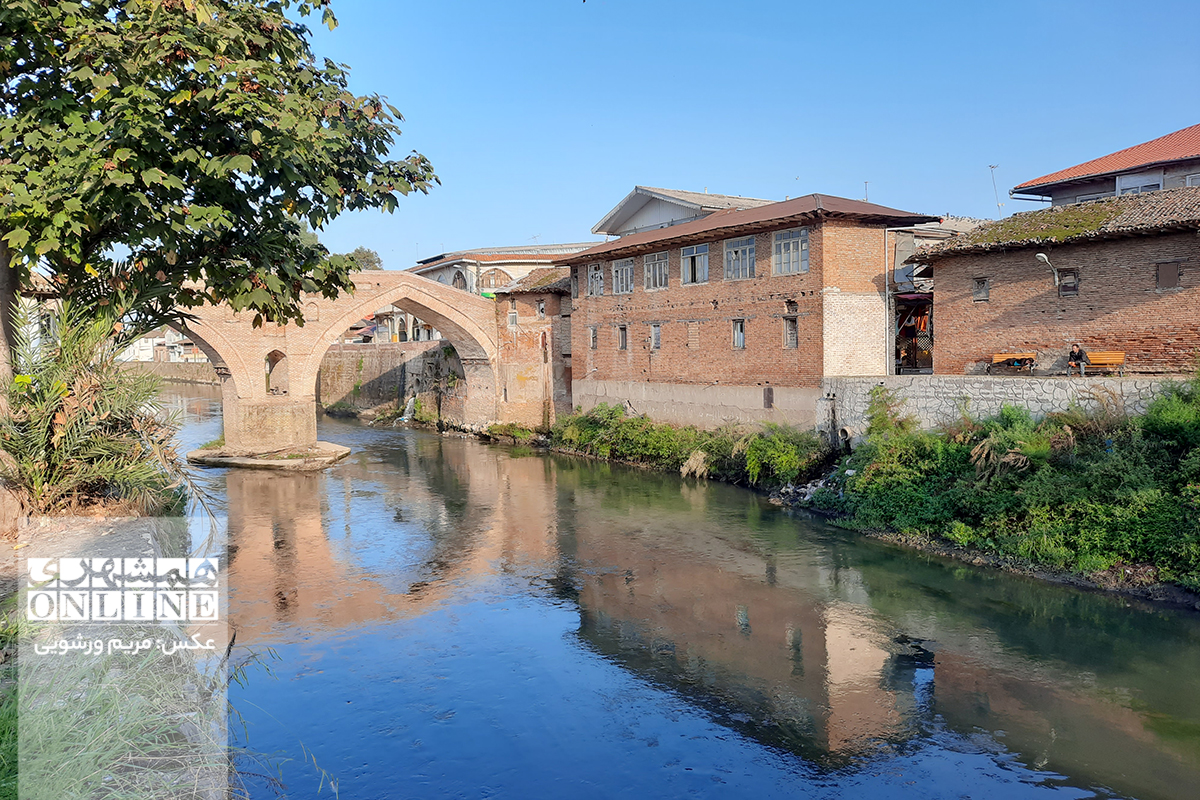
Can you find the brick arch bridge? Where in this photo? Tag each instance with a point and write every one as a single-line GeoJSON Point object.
{"type": "Point", "coordinates": [257, 420]}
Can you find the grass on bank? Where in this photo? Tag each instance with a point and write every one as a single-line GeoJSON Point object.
{"type": "Point", "coordinates": [766, 457]}
{"type": "Point", "coordinates": [1086, 490]}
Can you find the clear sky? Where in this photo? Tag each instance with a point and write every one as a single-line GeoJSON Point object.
{"type": "Point", "coordinates": [540, 115]}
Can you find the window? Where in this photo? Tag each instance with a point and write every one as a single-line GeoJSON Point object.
{"type": "Point", "coordinates": [622, 337]}
{"type": "Point", "coordinates": [656, 271]}
{"type": "Point", "coordinates": [739, 258]}
{"type": "Point", "coordinates": [595, 280]}
{"type": "Point", "coordinates": [693, 334]}
{"type": "Point", "coordinates": [1142, 182]}
{"type": "Point", "coordinates": [982, 289]}
{"type": "Point", "coordinates": [739, 334]}
{"type": "Point", "coordinates": [574, 283]}
{"type": "Point", "coordinates": [512, 311]}
{"type": "Point", "coordinates": [693, 264]}
{"type": "Point", "coordinates": [592, 335]}
{"type": "Point", "coordinates": [541, 309]}
{"type": "Point", "coordinates": [791, 333]}
{"type": "Point", "coordinates": [1168, 275]}
{"type": "Point", "coordinates": [655, 336]}
{"type": "Point", "coordinates": [1193, 180]}
{"type": "Point", "coordinates": [1068, 282]}
{"type": "Point", "coordinates": [791, 251]}
{"type": "Point", "coordinates": [623, 276]}
{"type": "Point", "coordinates": [1084, 198]}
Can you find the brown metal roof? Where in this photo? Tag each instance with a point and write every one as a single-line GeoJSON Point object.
{"type": "Point", "coordinates": [734, 222]}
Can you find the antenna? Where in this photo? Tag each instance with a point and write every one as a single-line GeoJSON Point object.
{"type": "Point", "coordinates": [995, 192]}
{"type": "Point", "coordinates": [866, 196]}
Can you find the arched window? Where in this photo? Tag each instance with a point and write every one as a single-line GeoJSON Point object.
{"type": "Point", "coordinates": [494, 279]}
{"type": "Point", "coordinates": [460, 280]}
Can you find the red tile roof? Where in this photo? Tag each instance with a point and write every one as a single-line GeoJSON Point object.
{"type": "Point", "coordinates": [739, 222]}
{"type": "Point", "coordinates": [1172, 147]}
{"type": "Point", "coordinates": [1108, 218]}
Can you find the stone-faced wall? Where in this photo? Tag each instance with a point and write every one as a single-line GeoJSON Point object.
{"type": "Point", "coordinates": [935, 399]}
{"type": "Point", "coordinates": [367, 375]}
{"type": "Point", "coordinates": [1119, 305]}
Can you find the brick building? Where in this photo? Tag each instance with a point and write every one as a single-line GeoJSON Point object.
{"type": "Point", "coordinates": [533, 316]}
{"type": "Point", "coordinates": [1168, 162]}
{"type": "Point", "coordinates": [736, 314]}
{"type": "Point", "coordinates": [1120, 273]}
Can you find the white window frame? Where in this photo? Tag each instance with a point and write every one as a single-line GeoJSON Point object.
{"type": "Point", "coordinates": [1086, 198]}
{"type": "Point", "coordinates": [595, 284]}
{"type": "Point", "coordinates": [622, 276]}
{"type": "Point", "coordinates": [656, 269]}
{"type": "Point", "coordinates": [656, 336]}
{"type": "Point", "coordinates": [790, 255]}
{"type": "Point", "coordinates": [1192, 180]}
{"type": "Point", "coordinates": [693, 260]}
{"type": "Point", "coordinates": [739, 334]}
{"type": "Point", "coordinates": [1140, 182]}
{"type": "Point", "coordinates": [622, 337]}
{"type": "Point", "coordinates": [739, 258]}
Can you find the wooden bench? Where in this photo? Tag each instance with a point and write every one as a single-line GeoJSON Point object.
{"type": "Point", "coordinates": [1018, 361]}
{"type": "Point", "coordinates": [1106, 361]}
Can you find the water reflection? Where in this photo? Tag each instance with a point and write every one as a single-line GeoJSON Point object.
{"type": "Point", "coordinates": [846, 662]}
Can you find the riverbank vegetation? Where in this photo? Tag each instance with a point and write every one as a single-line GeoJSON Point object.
{"type": "Point", "coordinates": [1093, 491]}
{"type": "Point", "coordinates": [81, 431]}
{"type": "Point", "coordinates": [765, 457]}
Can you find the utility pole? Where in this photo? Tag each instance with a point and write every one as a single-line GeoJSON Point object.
{"type": "Point", "coordinates": [996, 192]}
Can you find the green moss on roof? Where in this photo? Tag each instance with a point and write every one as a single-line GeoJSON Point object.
{"type": "Point", "coordinates": [1173, 209]}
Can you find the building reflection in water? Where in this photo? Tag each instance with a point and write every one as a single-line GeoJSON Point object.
{"type": "Point", "coordinates": [819, 642]}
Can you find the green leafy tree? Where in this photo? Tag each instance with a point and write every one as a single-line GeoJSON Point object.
{"type": "Point", "coordinates": [157, 155]}
{"type": "Point", "coordinates": [365, 258]}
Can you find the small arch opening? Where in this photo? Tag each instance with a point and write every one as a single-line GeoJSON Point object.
{"type": "Point", "coordinates": [276, 368]}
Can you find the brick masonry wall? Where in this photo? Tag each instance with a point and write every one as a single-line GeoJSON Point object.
{"type": "Point", "coordinates": [934, 399]}
{"type": "Point", "coordinates": [1118, 306]}
{"type": "Point", "coordinates": [697, 325]}
{"type": "Point", "coordinates": [534, 383]}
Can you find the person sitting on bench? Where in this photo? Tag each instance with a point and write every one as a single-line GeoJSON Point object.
{"type": "Point", "coordinates": [1076, 358]}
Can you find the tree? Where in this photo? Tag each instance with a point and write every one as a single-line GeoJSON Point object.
{"type": "Point", "coordinates": [365, 258]}
{"type": "Point", "coordinates": [156, 155]}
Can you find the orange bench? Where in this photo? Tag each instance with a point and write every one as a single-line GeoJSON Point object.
{"type": "Point", "coordinates": [1106, 361]}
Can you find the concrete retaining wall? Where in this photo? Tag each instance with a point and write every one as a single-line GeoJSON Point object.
{"type": "Point", "coordinates": [703, 405]}
{"type": "Point", "coordinates": [934, 399]}
{"type": "Point", "coordinates": [179, 372]}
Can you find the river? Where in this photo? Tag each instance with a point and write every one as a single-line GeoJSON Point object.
{"type": "Point", "coordinates": [445, 618]}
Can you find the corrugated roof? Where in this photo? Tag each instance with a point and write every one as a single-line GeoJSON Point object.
{"type": "Point", "coordinates": [542, 279]}
{"type": "Point", "coordinates": [704, 200]}
{"type": "Point", "coordinates": [545, 253]}
{"type": "Point", "coordinates": [699, 202]}
{"type": "Point", "coordinates": [736, 222]}
{"type": "Point", "coordinates": [1172, 147]}
{"type": "Point", "coordinates": [1111, 217]}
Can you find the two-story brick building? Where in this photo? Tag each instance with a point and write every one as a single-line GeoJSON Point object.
{"type": "Point", "coordinates": [736, 314]}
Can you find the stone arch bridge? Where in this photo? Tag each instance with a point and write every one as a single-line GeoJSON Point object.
{"type": "Point", "coordinates": [261, 418]}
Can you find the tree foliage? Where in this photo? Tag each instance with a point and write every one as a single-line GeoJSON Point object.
{"type": "Point", "coordinates": [365, 258]}
{"type": "Point", "coordinates": [185, 144]}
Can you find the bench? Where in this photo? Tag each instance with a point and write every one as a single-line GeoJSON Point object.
{"type": "Point", "coordinates": [1018, 361]}
{"type": "Point", "coordinates": [1106, 361]}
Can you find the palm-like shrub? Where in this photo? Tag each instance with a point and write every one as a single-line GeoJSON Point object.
{"type": "Point", "coordinates": [80, 429]}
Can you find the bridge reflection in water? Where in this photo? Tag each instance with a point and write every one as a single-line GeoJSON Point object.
{"type": "Point", "coordinates": [804, 638]}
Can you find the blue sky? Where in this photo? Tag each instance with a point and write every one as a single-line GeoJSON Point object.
{"type": "Point", "coordinates": [540, 116]}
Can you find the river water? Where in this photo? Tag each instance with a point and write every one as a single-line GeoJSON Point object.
{"type": "Point", "coordinates": [445, 618]}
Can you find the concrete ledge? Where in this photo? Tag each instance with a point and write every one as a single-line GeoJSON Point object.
{"type": "Point", "coordinates": [307, 459]}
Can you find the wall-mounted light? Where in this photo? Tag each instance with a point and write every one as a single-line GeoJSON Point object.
{"type": "Point", "coordinates": [1045, 260]}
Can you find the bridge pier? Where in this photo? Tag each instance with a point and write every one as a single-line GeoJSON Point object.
{"type": "Point", "coordinates": [268, 424]}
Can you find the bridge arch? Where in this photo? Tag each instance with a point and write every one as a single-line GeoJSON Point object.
{"type": "Point", "coordinates": [465, 320]}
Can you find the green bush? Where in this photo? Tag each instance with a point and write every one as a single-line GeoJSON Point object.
{"type": "Point", "coordinates": [81, 429]}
